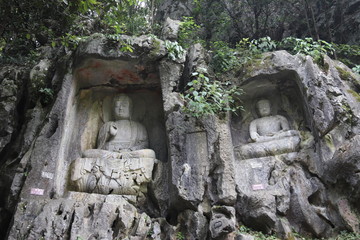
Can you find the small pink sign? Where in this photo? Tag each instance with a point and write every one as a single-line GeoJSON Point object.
{"type": "Point", "coordinates": [37, 191]}
{"type": "Point", "coordinates": [258, 187]}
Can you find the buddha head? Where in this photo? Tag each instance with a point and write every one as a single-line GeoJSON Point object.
{"type": "Point", "coordinates": [122, 107]}
{"type": "Point", "coordinates": [263, 107]}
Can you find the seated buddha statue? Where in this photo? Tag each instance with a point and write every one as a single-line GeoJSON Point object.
{"type": "Point", "coordinates": [122, 162]}
{"type": "Point", "coordinates": [270, 135]}
{"type": "Point", "coordinates": [122, 138]}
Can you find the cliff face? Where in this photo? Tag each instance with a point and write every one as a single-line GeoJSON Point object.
{"type": "Point", "coordinates": [209, 176]}
{"type": "Point", "coordinates": [230, 21]}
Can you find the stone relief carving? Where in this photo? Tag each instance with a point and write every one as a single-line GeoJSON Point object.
{"type": "Point", "coordinates": [270, 135]}
{"type": "Point", "coordinates": [222, 221]}
{"type": "Point", "coordinates": [122, 162]}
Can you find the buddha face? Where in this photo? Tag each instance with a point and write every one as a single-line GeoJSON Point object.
{"type": "Point", "coordinates": [122, 107]}
{"type": "Point", "coordinates": [263, 107]}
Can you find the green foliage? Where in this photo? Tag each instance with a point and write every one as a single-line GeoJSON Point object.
{"type": "Point", "coordinates": [208, 97]}
{"type": "Point", "coordinates": [224, 58]}
{"type": "Point", "coordinates": [347, 236]}
{"type": "Point", "coordinates": [180, 236]}
{"type": "Point", "coordinates": [188, 32]}
{"type": "Point", "coordinates": [30, 24]}
{"type": "Point", "coordinates": [127, 17]}
{"type": "Point", "coordinates": [46, 95]}
{"type": "Point", "coordinates": [125, 44]}
{"type": "Point", "coordinates": [344, 75]}
{"type": "Point", "coordinates": [308, 46]}
{"type": "Point", "coordinates": [356, 69]}
{"type": "Point", "coordinates": [175, 51]}
{"type": "Point", "coordinates": [348, 54]}
{"type": "Point", "coordinates": [69, 41]}
{"type": "Point", "coordinates": [265, 44]}
{"type": "Point", "coordinates": [256, 234]}
{"type": "Point", "coordinates": [260, 236]}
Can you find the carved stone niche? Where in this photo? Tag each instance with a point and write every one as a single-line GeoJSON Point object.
{"type": "Point", "coordinates": [118, 132]}
{"type": "Point", "coordinates": [268, 134]}
{"type": "Point", "coordinates": [272, 120]}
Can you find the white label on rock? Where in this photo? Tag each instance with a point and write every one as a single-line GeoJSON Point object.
{"type": "Point", "coordinates": [47, 175]}
{"type": "Point", "coordinates": [37, 191]}
{"type": "Point", "coordinates": [258, 187]}
{"type": "Point", "coordinates": [256, 165]}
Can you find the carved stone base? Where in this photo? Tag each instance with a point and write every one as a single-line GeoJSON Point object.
{"type": "Point", "coordinates": [269, 148]}
{"type": "Point", "coordinates": [112, 176]}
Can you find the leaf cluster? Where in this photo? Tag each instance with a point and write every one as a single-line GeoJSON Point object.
{"type": "Point", "coordinates": [257, 235]}
{"type": "Point", "coordinates": [27, 25]}
{"type": "Point", "coordinates": [188, 32]}
{"type": "Point", "coordinates": [356, 69]}
{"type": "Point", "coordinates": [175, 51]}
{"type": "Point", "coordinates": [308, 46]}
{"type": "Point", "coordinates": [208, 97]}
{"type": "Point", "coordinates": [224, 58]}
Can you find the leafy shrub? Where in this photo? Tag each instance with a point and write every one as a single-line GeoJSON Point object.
{"type": "Point", "coordinates": [180, 236]}
{"type": "Point", "coordinates": [175, 51]}
{"type": "Point", "coordinates": [206, 97]}
{"type": "Point", "coordinates": [356, 69]}
{"type": "Point", "coordinates": [308, 46]}
{"type": "Point", "coordinates": [46, 95]}
{"type": "Point", "coordinates": [188, 33]}
{"type": "Point", "coordinates": [125, 44]}
{"type": "Point", "coordinates": [224, 57]}
{"type": "Point", "coordinates": [265, 44]}
{"type": "Point", "coordinates": [347, 236]}
{"type": "Point", "coordinates": [257, 235]}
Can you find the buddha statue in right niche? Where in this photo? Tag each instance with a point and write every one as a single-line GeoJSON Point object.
{"type": "Point", "coordinates": [270, 135]}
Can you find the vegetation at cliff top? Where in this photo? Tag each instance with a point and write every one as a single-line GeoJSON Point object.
{"type": "Point", "coordinates": [344, 235]}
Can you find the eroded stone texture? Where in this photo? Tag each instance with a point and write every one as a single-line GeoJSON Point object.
{"type": "Point", "coordinates": [83, 216]}
{"type": "Point", "coordinates": [222, 221]}
{"type": "Point", "coordinates": [170, 29]}
{"type": "Point", "coordinates": [299, 187]}
{"type": "Point", "coordinates": [293, 185]}
{"type": "Point", "coordinates": [122, 164]}
{"type": "Point", "coordinates": [193, 225]}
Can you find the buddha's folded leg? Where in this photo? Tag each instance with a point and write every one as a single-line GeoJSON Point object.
{"type": "Point", "coordinates": [99, 153]}
{"type": "Point", "coordinates": [143, 153]}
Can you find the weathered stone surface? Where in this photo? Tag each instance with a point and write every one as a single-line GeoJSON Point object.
{"type": "Point", "coordinates": [79, 215]}
{"type": "Point", "coordinates": [244, 237]}
{"type": "Point", "coordinates": [222, 221]}
{"type": "Point", "coordinates": [170, 29]}
{"type": "Point", "coordinates": [10, 95]}
{"type": "Point", "coordinates": [174, 9]}
{"type": "Point", "coordinates": [198, 170]}
{"type": "Point", "coordinates": [193, 225]}
{"type": "Point", "coordinates": [344, 167]}
{"type": "Point", "coordinates": [311, 99]}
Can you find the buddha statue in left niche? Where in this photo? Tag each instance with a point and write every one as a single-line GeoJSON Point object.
{"type": "Point", "coordinates": [122, 163]}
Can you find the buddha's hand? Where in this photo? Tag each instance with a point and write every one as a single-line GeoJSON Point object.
{"type": "Point", "coordinates": [125, 155]}
{"type": "Point", "coordinates": [255, 137]}
{"type": "Point", "coordinates": [113, 130]}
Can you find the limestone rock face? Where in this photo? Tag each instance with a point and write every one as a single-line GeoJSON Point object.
{"type": "Point", "coordinates": [318, 104]}
{"type": "Point", "coordinates": [84, 216]}
{"type": "Point", "coordinates": [201, 186]}
{"type": "Point", "coordinates": [10, 94]}
{"type": "Point", "coordinates": [170, 29]}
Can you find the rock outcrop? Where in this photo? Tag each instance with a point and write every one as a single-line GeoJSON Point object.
{"type": "Point", "coordinates": [200, 187]}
